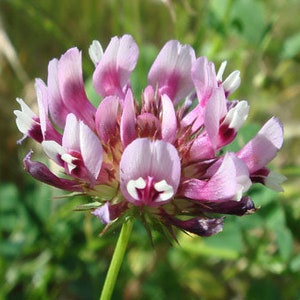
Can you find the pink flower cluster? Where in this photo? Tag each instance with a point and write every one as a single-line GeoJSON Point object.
{"type": "Point", "coordinates": [160, 159]}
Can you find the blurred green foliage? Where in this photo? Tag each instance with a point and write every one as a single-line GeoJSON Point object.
{"type": "Point", "coordinates": [48, 251]}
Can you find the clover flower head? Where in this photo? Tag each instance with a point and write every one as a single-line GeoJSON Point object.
{"type": "Point", "coordinates": [162, 158]}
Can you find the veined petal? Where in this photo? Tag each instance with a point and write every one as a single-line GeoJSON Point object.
{"type": "Point", "coordinates": [127, 126]}
{"type": "Point", "coordinates": [259, 151]}
{"type": "Point", "coordinates": [114, 68]}
{"type": "Point", "coordinates": [145, 159]}
{"type": "Point", "coordinates": [169, 120]}
{"type": "Point", "coordinates": [70, 81]}
{"type": "Point", "coordinates": [106, 118]}
{"type": "Point", "coordinates": [171, 71]}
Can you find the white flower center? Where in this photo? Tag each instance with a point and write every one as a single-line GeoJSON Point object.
{"type": "Point", "coordinates": [149, 192]}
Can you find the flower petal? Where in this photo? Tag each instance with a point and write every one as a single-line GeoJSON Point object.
{"type": "Point", "coordinates": [259, 151]}
{"type": "Point", "coordinates": [42, 173]}
{"type": "Point", "coordinates": [95, 52]}
{"type": "Point", "coordinates": [91, 150]}
{"type": "Point", "coordinates": [102, 213]}
{"type": "Point", "coordinates": [171, 70]}
{"type": "Point", "coordinates": [106, 118]}
{"type": "Point", "coordinates": [214, 112]}
{"type": "Point", "coordinates": [57, 108]}
{"type": "Point", "coordinates": [205, 82]}
{"type": "Point", "coordinates": [112, 73]}
{"type": "Point", "coordinates": [70, 81]}
{"type": "Point", "coordinates": [200, 226]}
{"type": "Point", "coordinates": [144, 158]}
{"type": "Point", "coordinates": [222, 186]}
{"type": "Point", "coordinates": [71, 139]}
{"type": "Point", "coordinates": [169, 120]}
{"type": "Point", "coordinates": [127, 125]}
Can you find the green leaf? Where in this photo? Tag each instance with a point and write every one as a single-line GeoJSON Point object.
{"type": "Point", "coordinates": [285, 242]}
{"type": "Point", "coordinates": [88, 206]}
{"type": "Point", "coordinates": [248, 16]}
{"type": "Point", "coordinates": [291, 46]}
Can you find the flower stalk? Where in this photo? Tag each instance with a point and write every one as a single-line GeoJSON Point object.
{"type": "Point", "coordinates": [117, 259]}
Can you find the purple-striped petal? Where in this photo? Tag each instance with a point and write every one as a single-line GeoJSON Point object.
{"type": "Point", "coordinates": [149, 172]}
{"type": "Point", "coordinates": [171, 71]}
{"type": "Point", "coordinates": [111, 76]}
{"type": "Point", "coordinates": [71, 86]}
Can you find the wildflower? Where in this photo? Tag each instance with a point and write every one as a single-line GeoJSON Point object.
{"type": "Point", "coordinates": [161, 159]}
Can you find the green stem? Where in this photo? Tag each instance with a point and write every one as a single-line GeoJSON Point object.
{"type": "Point", "coordinates": [116, 261]}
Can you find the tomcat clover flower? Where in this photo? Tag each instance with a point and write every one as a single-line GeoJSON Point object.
{"type": "Point", "coordinates": [161, 158]}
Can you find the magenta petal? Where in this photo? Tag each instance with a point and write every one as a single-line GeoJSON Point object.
{"type": "Point", "coordinates": [113, 71]}
{"type": "Point", "coordinates": [171, 71]}
{"type": "Point", "coordinates": [169, 120]}
{"type": "Point", "coordinates": [221, 186]}
{"type": "Point", "coordinates": [259, 151]}
{"type": "Point", "coordinates": [106, 118]}
{"type": "Point", "coordinates": [71, 86]}
{"type": "Point", "coordinates": [127, 126]}
{"type": "Point", "coordinates": [145, 158]}
{"type": "Point", "coordinates": [42, 173]}
{"type": "Point", "coordinates": [202, 148]}
{"type": "Point", "coordinates": [91, 150]}
{"type": "Point", "coordinates": [57, 108]}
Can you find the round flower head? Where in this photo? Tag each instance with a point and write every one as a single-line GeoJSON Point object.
{"type": "Point", "coordinates": [162, 158]}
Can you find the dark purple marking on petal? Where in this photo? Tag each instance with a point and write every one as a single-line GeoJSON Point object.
{"type": "Point", "coordinates": [42, 173]}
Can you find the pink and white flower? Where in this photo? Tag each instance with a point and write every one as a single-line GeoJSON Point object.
{"type": "Point", "coordinates": [162, 160]}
